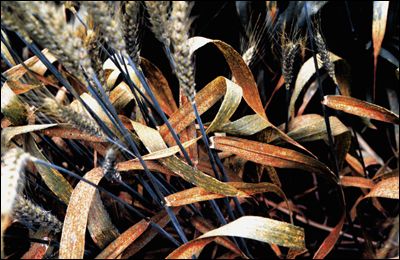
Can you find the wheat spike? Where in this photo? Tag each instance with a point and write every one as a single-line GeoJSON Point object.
{"type": "Point", "coordinates": [131, 20]}
{"type": "Point", "coordinates": [46, 24]}
{"type": "Point", "coordinates": [9, 20]}
{"type": "Point", "coordinates": [289, 51]}
{"type": "Point", "coordinates": [93, 47]}
{"type": "Point", "coordinates": [158, 11]}
{"type": "Point", "coordinates": [13, 163]}
{"type": "Point", "coordinates": [324, 57]}
{"type": "Point", "coordinates": [66, 114]}
{"type": "Point", "coordinates": [109, 163]}
{"type": "Point", "coordinates": [179, 33]}
{"type": "Point", "coordinates": [109, 26]}
{"type": "Point", "coordinates": [33, 215]}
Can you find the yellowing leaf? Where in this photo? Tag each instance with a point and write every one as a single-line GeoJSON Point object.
{"type": "Point", "coordinates": [258, 228]}
{"type": "Point", "coordinates": [197, 194]}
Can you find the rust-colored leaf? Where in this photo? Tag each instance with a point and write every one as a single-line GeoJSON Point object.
{"type": "Point", "coordinates": [191, 248]}
{"type": "Point", "coordinates": [241, 74]}
{"type": "Point", "coordinates": [360, 108]}
{"type": "Point", "coordinates": [330, 240]}
{"type": "Point", "coordinates": [153, 141]}
{"type": "Point", "coordinates": [123, 241]}
{"type": "Point", "coordinates": [159, 86]}
{"type": "Point", "coordinates": [197, 194]}
{"type": "Point", "coordinates": [359, 182]}
{"type": "Point", "coordinates": [354, 164]}
{"type": "Point", "coordinates": [387, 188]}
{"type": "Point", "coordinates": [162, 220]}
{"type": "Point", "coordinates": [379, 17]}
{"type": "Point", "coordinates": [271, 155]}
{"type": "Point", "coordinates": [72, 244]}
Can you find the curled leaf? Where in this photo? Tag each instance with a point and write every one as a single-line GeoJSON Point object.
{"type": "Point", "coordinates": [258, 228]}
{"type": "Point", "coordinates": [387, 188]}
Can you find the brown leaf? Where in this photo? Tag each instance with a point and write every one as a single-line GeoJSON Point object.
{"type": "Point", "coordinates": [271, 155]}
{"type": "Point", "coordinates": [159, 86]}
{"type": "Point", "coordinates": [330, 240]}
{"type": "Point", "coordinates": [101, 228]}
{"type": "Point", "coordinates": [354, 164]}
{"type": "Point", "coordinates": [123, 241]}
{"type": "Point", "coordinates": [379, 17]}
{"type": "Point", "coordinates": [72, 244]}
{"type": "Point", "coordinates": [387, 188]}
{"type": "Point", "coordinates": [359, 182]}
{"type": "Point", "coordinates": [197, 194]}
{"type": "Point", "coordinates": [241, 74]}
{"type": "Point", "coordinates": [153, 141]}
{"type": "Point", "coordinates": [360, 108]}
{"type": "Point", "coordinates": [162, 220]}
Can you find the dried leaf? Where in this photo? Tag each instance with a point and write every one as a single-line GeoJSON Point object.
{"type": "Point", "coordinates": [387, 188]}
{"type": "Point", "coordinates": [100, 227]}
{"type": "Point", "coordinates": [271, 155]}
{"type": "Point", "coordinates": [258, 228]}
{"type": "Point", "coordinates": [312, 127]}
{"type": "Point", "coordinates": [10, 132]}
{"type": "Point", "coordinates": [204, 226]}
{"type": "Point", "coordinates": [113, 250]}
{"type": "Point", "coordinates": [330, 240]}
{"type": "Point", "coordinates": [53, 179]}
{"type": "Point", "coordinates": [354, 164]}
{"type": "Point", "coordinates": [379, 18]}
{"type": "Point", "coordinates": [241, 73]}
{"type": "Point", "coordinates": [33, 64]}
{"type": "Point", "coordinates": [153, 141]}
{"type": "Point", "coordinates": [72, 244]}
{"type": "Point", "coordinates": [205, 99]}
{"type": "Point", "coordinates": [162, 220]}
{"type": "Point", "coordinates": [197, 194]}
{"type": "Point", "coordinates": [159, 86]}
{"type": "Point", "coordinates": [121, 95]}
{"type": "Point", "coordinates": [360, 108]}
{"type": "Point", "coordinates": [359, 182]}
